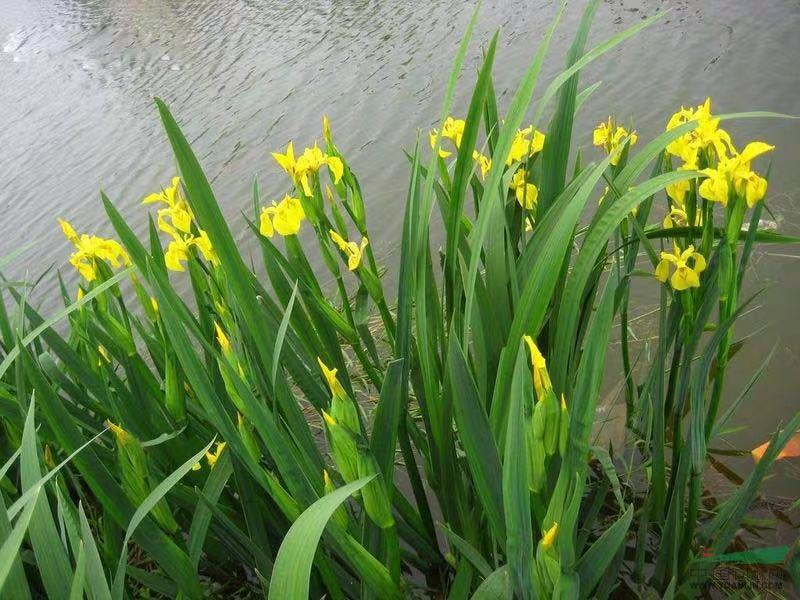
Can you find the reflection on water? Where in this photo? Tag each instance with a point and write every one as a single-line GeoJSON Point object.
{"type": "Point", "coordinates": [243, 77]}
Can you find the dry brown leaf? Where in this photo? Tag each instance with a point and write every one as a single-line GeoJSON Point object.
{"type": "Point", "coordinates": [791, 450]}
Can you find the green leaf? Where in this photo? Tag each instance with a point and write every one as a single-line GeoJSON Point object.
{"type": "Point", "coordinates": [14, 352]}
{"type": "Point", "coordinates": [79, 576]}
{"type": "Point", "coordinates": [496, 586]}
{"type": "Point", "coordinates": [292, 570]}
{"type": "Point", "coordinates": [464, 162]}
{"type": "Point", "coordinates": [95, 573]}
{"type": "Point", "coordinates": [555, 154]}
{"type": "Point", "coordinates": [606, 463]}
{"type": "Point", "coordinates": [215, 485]}
{"type": "Point", "coordinates": [492, 197]}
{"type": "Point", "coordinates": [476, 439]}
{"type": "Point", "coordinates": [593, 564]}
{"type": "Point", "coordinates": [516, 484]}
{"type": "Point", "coordinates": [9, 551]}
{"type": "Point", "coordinates": [51, 556]}
{"type": "Point", "coordinates": [287, 315]}
{"type": "Point", "coordinates": [386, 420]}
{"type": "Point", "coordinates": [468, 551]}
{"type": "Point", "coordinates": [16, 586]}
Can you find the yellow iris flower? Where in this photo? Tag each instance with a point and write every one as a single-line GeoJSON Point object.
{"type": "Point", "coordinates": [541, 378]}
{"type": "Point", "coordinates": [308, 163]}
{"type": "Point", "coordinates": [170, 195]}
{"type": "Point", "coordinates": [524, 146]}
{"type": "Point", "coordinates": [734, 174]}
{"type": "Point", "coordinates": [353, 251]}
{"type": "Point", "coordinates": [177, 208]}
{"type": "Point", "coordinates": [177, 220]}
{"type": "Point", "coordinates": [123, 437]}
{"type": "Point", "coordinates": [549, 537]}
{"type": "Point", "coordinates": [677, 217]}
{"type": "Point", "coordinates": [178, 250]}
{"type": "Point", "coordinates": [685, 276]}
{"type": "Point", "coordinates": [91, 248]}
{"type": "Point", "coordinates": [285, 218]}
{"type": "Point", "coordinates": [312, 160]}
{"type": "Point", "coordinates": [526, 193]}
{"type": "Point", "coordinates": [707, 134]}
{"type": "Point", "coordinates": [332, 380]}
{"type": "Point", "coordinates": [731, 175]}
{"type": "Point", "coordinates": [609, 135]}
{"type": "Point", "coordinates": [453, 130]}
{"type": "Point", "coordinates": [213, 457]}
{"type": "Point", "coordinates": [484, 162]}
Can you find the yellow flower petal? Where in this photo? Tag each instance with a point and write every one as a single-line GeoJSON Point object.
{"type": "Point", "coordinates": [527, 196]}
{"type": "Point", "coordinates": [338, 240]}
{"type": "Point", "coordinates": [336, 167]}
{"type": "Point", "coordinates": [213, 457]}
{"type": "Point", "coordinates": [222, 339]}
{"type": "Point", "coordinates": [549, 537]}
{"type": "Point", "coordinates": [123, 437]}
{"type": "Point", "coordinates": [68, 231]}
{"type": "Point", "coordinates": [699, 263]}
{"type": "Point", "coordinates": [755, 189]}
{"type": "Point", "coordinates": [265, 225]}
{"type": "Point", "coordinates": [286, 160]}
{"type": "Point", "coordinates": [175, 255]}
{"type": "Point", "coordinates": [662, 271]}
{"type": "Point", "coordinates": [753, 150]}
{"type": "Point", "coordinates": [288, 216]}
{"type": "Point", "coordinates": [331, 379]}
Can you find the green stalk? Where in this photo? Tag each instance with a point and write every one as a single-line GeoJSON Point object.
{"type": "Point", "coordinates": [728, 302]}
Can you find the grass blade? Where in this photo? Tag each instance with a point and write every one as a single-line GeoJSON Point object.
{"type": "Point", "coordinates": [10, 548]}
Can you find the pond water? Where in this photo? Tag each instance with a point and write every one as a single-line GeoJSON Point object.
{"type": "Point", "coordinates": [243, 77]}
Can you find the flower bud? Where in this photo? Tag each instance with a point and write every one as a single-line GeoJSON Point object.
{"type": "Point", "coordinates": [376, 498]}
{"type": "Point", "coordinates": [343, 448]}
{"type": "Point", "coordinates": [246, 433]}
{"type": "Point", "coordinates": [136, 477]}
{"type": "Point", "coordinates": [340, 514]}
{"type": "Point", "coordinates": [332, 380]}
{"type": "Point", "coordinates": [541, 378]}
{"type": "Point", "coordinates": [537, 471]}
{"type": "Point", "coordinates": [551, 422]}
{"type": "Point", "coordinates": [563, 423]}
